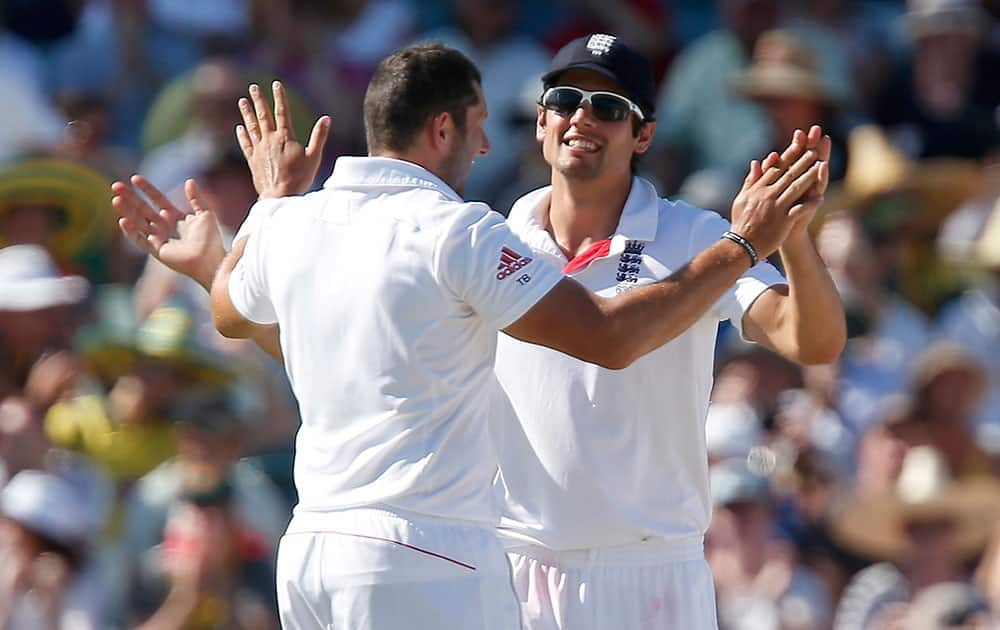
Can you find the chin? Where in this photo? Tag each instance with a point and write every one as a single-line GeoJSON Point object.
{"type": "Point", "coordinates": [577, 169]}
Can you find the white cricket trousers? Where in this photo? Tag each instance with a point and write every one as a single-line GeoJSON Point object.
{"type": "Point", "coordinates": [653, 585]}
{"type": "Point", "coordinates": [375, 569]}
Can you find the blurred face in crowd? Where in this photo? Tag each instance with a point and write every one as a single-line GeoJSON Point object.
{"type": "Point", "coordinates": [30, 333]}
{"type": "Point", "coordinates": [198, 446]}
{"type": "Point", "coordinates": [467, 145]}
{"type": "Point", "coordinates": [932, 556]}
{"type": "Point", "coordinates": [217, 87]}
{"type": "Point", "coordinates": [486, 21]}
{"type": "Point", "coordinates": [23, 442]}
{"type": "Point", "coordinates": [789, 113]}
{"type": "Point", "coordinates": [581, 147]}
{"type": "Point", "coordinates": [943, 66]}
{"type": "Point", "coordinates": [146, 391]}
{"type": "Point", "coordinates": [30, 224]}
{"type": "Point", "coordinates": [748, 19]}
{"type": "Point", "coordinates": [953, 394]}
{"type": "Point", "coordinates": [228, 189]}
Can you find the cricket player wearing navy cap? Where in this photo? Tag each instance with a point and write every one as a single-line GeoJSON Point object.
{"type": "Point", "coordinates": [604, 473]}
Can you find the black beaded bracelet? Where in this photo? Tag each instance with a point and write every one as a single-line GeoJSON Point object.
{"type": "Point", "coordinates": [745, 244]}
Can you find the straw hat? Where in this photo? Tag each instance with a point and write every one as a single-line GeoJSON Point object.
{"type": "Point", "coordinates": [946, 357]}
{"type": "Point", "coordinates": [166, 336]}
{"type": "Point", "coordinates": [876, 169]}
{"type": "Point", "coordinates": [78, 192]}
{"type": "Point", "coordinates": [782, 67]}
{"type": "Point", "coordinates": [876, 526]}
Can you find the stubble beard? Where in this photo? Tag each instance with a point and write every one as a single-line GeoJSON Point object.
{"type": "Point", "coordinates": [456, 166]}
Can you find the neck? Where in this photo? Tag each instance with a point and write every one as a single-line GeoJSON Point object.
{"type": "Point", "coordinates": [582, 213]}
{"type": "Point", "coordinates": [420, 158]}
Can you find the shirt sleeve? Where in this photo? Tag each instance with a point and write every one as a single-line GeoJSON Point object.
{"type": "Point", "coordinates": [248, 290]}
{"type": "Point", "coordinates": [708, 229]}
{"type": "Point", "coordinates": [482, 263]}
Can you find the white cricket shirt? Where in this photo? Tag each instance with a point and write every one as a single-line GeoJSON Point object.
{"type": "Point", "coordinates": [601, 457]}
{"type": "Point", "coordinates": [389, 291]}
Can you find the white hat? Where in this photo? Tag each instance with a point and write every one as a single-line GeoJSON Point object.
{"type": "Point", "coordinates": [29, 280]}
{"type": "Point", "coordinates": [46, 504]}
{"type": "Point", "coordinates": [932, 17]}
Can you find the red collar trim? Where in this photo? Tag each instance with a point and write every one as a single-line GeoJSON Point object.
{"type": "Point", "coordinates": [592, 253]}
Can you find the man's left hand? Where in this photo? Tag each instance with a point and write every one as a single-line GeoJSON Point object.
{"type": "Point", "coordinates": [280, 165]}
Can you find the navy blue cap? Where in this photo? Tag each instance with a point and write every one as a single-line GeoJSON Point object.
{"type": "Point", "coordinates": [611, 57]}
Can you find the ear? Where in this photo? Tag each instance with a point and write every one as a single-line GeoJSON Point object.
{"type": "Point", "coordinates": [441, 128]}
{"type": "Point", "coordinates": [645, 138]}
{"type": "Point", "coordinates": [540, 124]}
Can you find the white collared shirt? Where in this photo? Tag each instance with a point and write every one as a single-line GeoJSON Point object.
{"type": "Point", "coordinates": [601, 457]}
{"type": "Point", "coordinates": [389, 291]}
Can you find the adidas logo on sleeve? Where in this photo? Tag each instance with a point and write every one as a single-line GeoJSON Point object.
{"type": "Point", "coordinates": [510, 262]}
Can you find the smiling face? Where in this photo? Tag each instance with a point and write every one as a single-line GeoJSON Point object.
{"type": "Point", "coordinates": [579, 146]}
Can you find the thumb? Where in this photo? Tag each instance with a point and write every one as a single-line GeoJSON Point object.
{"type": "Point", "coordinates": [193, 194]}
{"type": "Point", "coordinates": [317, 139]}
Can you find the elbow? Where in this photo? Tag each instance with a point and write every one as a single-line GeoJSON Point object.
{"type": "Point", "coordinates": [227, 328]}
{"type": "Point", "coordinates": [614, 361]}
{"type": "Point", "coordinates": [825, 352]}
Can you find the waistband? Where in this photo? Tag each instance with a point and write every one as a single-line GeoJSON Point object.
{"type": "Point", "coordinates": [359, 519]}
{"type": "Point", "coordinates": [645, 552]}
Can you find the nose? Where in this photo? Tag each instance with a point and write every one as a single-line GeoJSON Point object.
{"type": "Point", "coordinates": [484, 148]}
{"type": "Point", "coordinates": [582, 116]}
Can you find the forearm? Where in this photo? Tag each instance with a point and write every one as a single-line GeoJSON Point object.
{"type": "Point", "coordinates": [645, 318]}
{"type": "Point", "coordinates": [812, 326]}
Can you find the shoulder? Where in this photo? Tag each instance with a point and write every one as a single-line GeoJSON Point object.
{"type": "Point", "coordinates": [681, 218]}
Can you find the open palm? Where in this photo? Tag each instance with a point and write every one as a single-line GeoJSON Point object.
{"type": "Point", "coordinates": [190, 243]}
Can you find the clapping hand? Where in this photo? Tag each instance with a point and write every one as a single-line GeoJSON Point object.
{"type": "Point", "coordinates": [280, 165]}
{"type": "Point", "coordinates": [190, 243]}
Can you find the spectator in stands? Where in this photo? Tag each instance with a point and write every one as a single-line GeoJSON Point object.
{"type": "Point", "coordinates": [701, 123]}
{"type": "Point", "coordinates": [34, 317]}
{"type": "Point", "coordinates": [760, 583]}
{"type": "Point", "coordinates": [924, 531]}
{"type": "Point", "coordinates": [484, 31]}
{"type": "Point", "coordinates": [46, 579]}
{"type": "Point", "coordinates": [207, 483]}
{"type": "Point", "coordinates": [943, 101]}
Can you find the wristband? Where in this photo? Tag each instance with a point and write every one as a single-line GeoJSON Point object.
{"type": "Point", "coordinates": [744, 243]}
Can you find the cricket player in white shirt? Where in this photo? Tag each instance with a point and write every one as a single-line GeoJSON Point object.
{"type": "Point", "coordinates": [382, 293]}
{"type": "Point", "coordinates": [604, 474]}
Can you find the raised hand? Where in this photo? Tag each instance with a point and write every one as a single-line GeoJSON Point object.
{"type": "Point", "coordinates": [279, 164]}
{"type": "Point", "coordinates": [190, 243]}
{"type": "Point", "coordinates": [805, 211]}
{"type": "Point", "coordinates": [770, 204]}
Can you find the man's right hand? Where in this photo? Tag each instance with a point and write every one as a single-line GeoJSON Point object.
{"type": "Point", "coordinates": [769, 204]}
{"type": "Point", "coordinates": [190, 243]}
{"type": "Point", "coordinates": [280, 165]}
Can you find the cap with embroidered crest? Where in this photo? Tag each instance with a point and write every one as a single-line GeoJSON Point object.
{"type": "Point", "coordinates": [610, 56]}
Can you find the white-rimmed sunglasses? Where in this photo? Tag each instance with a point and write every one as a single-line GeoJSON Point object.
{"type": "Point", "coordinates": [607, 106]}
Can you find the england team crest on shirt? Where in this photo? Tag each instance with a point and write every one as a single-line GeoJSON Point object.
{"type": "Point", "coordinates": [629, 264]}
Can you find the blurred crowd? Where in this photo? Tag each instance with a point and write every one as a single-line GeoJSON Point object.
{"type": "Point", "coordinates": [145, 461]}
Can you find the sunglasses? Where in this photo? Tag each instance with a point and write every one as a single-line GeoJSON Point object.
{"type": "Point", "coordinates": [607, 106]}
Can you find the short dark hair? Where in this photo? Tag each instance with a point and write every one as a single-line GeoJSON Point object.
{"type": "Point", "coordinates": [411, 86]}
